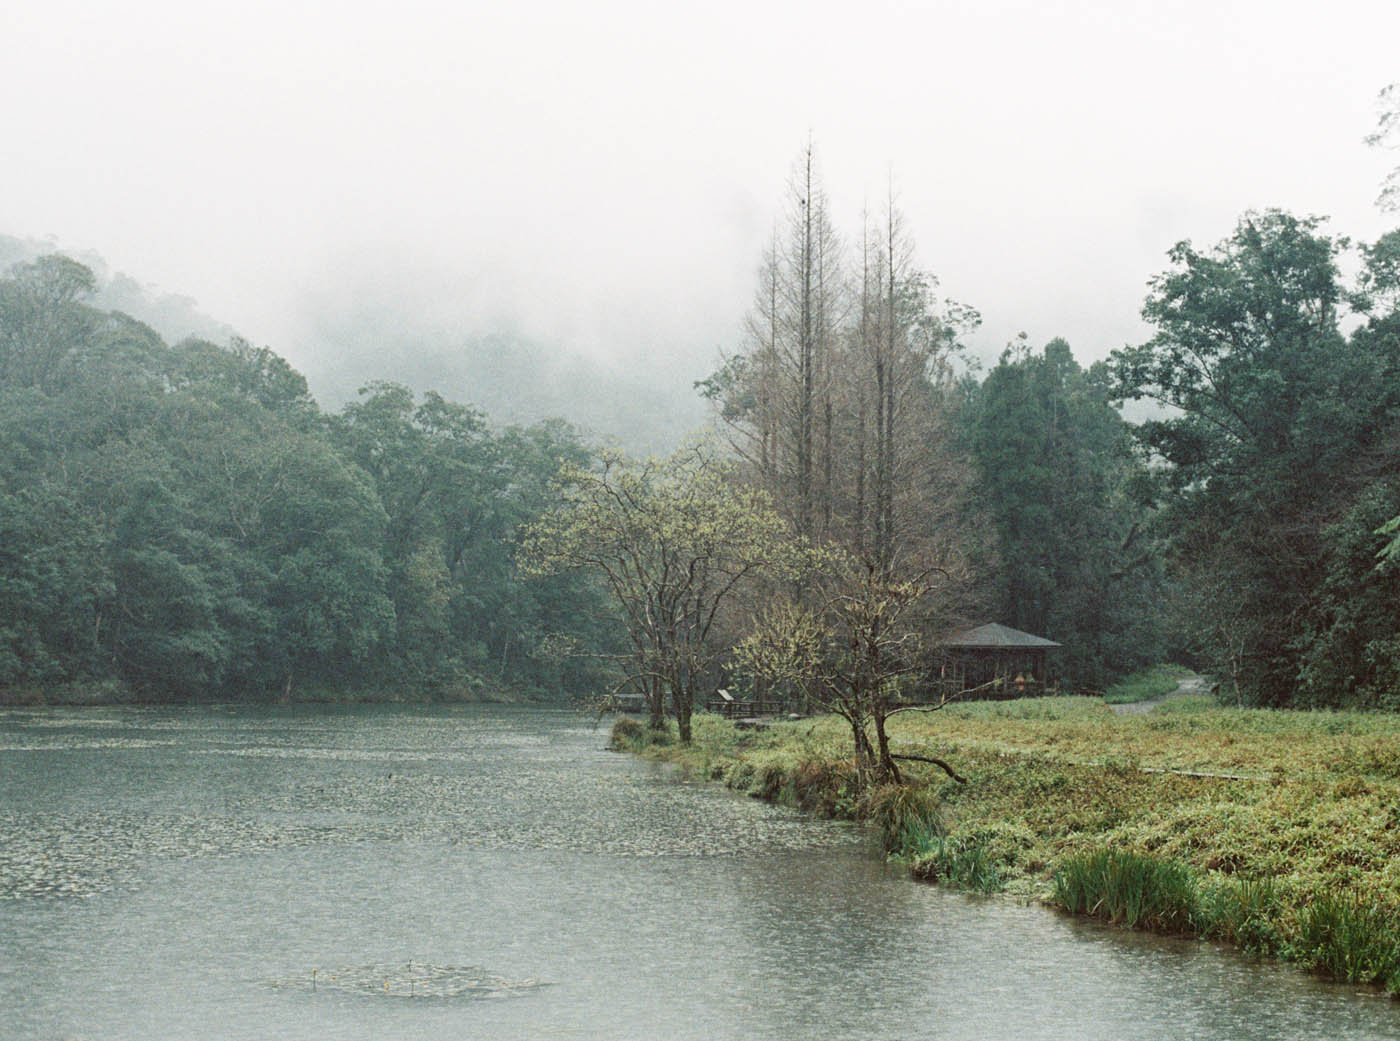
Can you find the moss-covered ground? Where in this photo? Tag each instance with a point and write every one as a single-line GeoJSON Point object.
{"type": "Point", "coordinates": [1278, 832]}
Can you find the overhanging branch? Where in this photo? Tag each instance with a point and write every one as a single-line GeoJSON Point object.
{"type": "Point", "coordinates": [931, 759]}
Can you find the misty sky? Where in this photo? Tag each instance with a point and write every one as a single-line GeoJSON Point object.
{"type": "Point", "coordinates": [602, 176]}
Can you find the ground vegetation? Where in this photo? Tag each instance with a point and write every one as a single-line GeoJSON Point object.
{"type": "Point", "coordinates": [1272, 831]}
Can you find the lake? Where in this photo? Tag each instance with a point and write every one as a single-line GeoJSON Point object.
{"type": "Point", "coordinates": [423, 873]}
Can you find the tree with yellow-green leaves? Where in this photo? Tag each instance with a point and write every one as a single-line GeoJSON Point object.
{"type": "Point", "coordinates": [855, 645]}
{"type": "Point", "coordinates": [675, 541]}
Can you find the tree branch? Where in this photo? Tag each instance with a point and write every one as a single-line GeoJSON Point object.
{"type": "Point", "coordinates": [931, 759]}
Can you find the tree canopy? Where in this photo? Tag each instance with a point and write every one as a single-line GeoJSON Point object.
{"type": "Point", "coordinates": [1279, 424]}
{"type": "Point", "coordinates": [183, 521]}
{"type": "Point", "coordinates": [675, 541]}
{"type": "Point", "coordinates": [1059, 479]}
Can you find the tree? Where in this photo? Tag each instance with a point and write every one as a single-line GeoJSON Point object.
{"type": "Point", "coordinates": [1272, 407]}
{"type": "Point", "coordinates": [44, 320]}
{"type": "Point", "coordinates": [855, 438]}
{"type": "Point", "coordinates": [860, 651]}
{"type": "Point", "coordinates": [184, 521]}
{"type": "Point", "coordinates": [457, 494]}
{"type": "Point", "coordinates": [776, 397]}
{"type": "Point", "coordinates": [1351, 651]}
{"type": "Point", "coordinates": [54, 577]}
{"type": "Point", "coordinates": [1057, 476]}
{"type": "Point", "coordinates": [673, 541]}
{"type": "Point", "coordinates": [1380, 297]}
{"type": "Point", "coordinates": [1387, 136]}
{"type": "Point", "coordinates": [1390, 552]}
{"type": "Point", "coordinates": [905, 472]}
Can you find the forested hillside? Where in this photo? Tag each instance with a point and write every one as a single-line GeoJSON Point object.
{"type": "Point", "coordinates": [349, 338]}
{"type": "Point", "coordinates": [183, 521]}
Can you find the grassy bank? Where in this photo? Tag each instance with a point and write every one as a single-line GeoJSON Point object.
{"type": "Point", "coordinates": [1276, 832]}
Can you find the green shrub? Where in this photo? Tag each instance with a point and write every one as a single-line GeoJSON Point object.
{"type": "Point", "coordinates": [826, 786]}
{"type": "Point", "coordinates": [769, 779]}
{"type": "Point", "coordinates": [629, 735]}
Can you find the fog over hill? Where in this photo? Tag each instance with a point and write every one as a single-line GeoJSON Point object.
{"type": "Point", "coordinates": [174, 316]}
{"type": "Point", "coordinates": [518, 381]}
{"type": "Point", "coordinates": [346, 343]}
{"type": "Point", "coordinates": [645, 406]}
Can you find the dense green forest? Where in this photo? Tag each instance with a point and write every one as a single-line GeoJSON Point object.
{"type": "Point", "coordinates": [183, 520]}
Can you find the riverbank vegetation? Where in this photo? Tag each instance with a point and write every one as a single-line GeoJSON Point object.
{"type": "Point", "coordinates": [1274, 832]}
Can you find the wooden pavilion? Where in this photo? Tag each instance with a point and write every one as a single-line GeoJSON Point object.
{"type": "Point", "coordinates": [994, 660]}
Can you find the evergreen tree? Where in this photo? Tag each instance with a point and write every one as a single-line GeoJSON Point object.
{"type": "Point", "coordinates": [1056, 474]}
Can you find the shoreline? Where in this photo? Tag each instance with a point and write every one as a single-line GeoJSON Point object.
{"type": "Point", "coordinates": [1274, 833]}
{"type": "Point", "coordinates": [105, 696]}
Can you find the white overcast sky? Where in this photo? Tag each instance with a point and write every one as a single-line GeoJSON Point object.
{"type": "Point", "coordinates": [602, 175]}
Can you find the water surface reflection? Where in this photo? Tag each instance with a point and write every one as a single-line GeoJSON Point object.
{"type": "Point", "coordinates": [181, 874]}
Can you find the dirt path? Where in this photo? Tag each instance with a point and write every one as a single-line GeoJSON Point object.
{"type": "Point", "coordinates": [1194, 684]}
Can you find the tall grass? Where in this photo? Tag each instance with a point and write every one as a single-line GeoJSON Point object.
{"type": "Point", "coordinates": [906, 817]}
{"type": "Point", "coordinates": [962, 863]}
{"type": "Point", "coordinates": [1244, 913]}
{"type": "Point", "coordinates": [1130, 889]}
{"type": "Point", "coordinates": [912, 829]}
{"type": "Point", "coordinates": [627, 735]}
{"type": "Point", "coordinates": [1351, 939]}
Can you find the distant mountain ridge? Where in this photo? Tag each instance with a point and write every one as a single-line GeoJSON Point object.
{"type": "Point", "coordinates": [174, 316]}
{"type": "Point", "coordinates": [512, 379]}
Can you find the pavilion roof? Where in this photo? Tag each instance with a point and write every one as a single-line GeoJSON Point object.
{"type": "Point", "coordinates": [994, 636]}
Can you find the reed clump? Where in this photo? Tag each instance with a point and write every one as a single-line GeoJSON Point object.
{"type": "Point", "coordinates": [1130, 889]}
{"type": "Point", "coordinates": [627, 735]}
{"type": "Point", "coordinates": [906, 817]}
{"type": "Point", "coordinates": [963, 863]}
{"type": "Point", "coordinates": [1350, 938]}
{"type": "Point", "coordinates": [1246, 913]}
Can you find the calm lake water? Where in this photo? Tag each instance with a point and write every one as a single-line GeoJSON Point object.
{"type": "Point", "coordinates": [385, 873]}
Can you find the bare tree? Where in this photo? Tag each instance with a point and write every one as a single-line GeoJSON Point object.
{"type": "Point", "coordinates": [851, 410]}
{"type": "Point", "coordinates": [775, 396]}
{"type": "Point", "coordinates": [908, 475]}
{"type": "Point", "coordinates": [1387, 136]}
